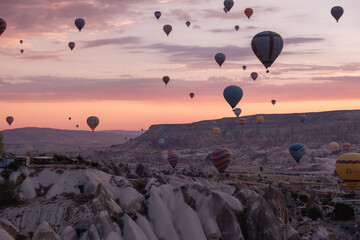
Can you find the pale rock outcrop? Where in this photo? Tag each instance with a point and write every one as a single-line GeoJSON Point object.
{"type": "Point", "coordinates": [44, 231]}
{"type": "Point", "coordinates": [68, 233]}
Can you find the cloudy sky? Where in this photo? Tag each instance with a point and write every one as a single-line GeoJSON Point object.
{"type": "Point", "coordinates": [115, 71]}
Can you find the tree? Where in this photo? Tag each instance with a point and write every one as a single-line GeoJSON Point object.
{"type": "Point", "coordinates": [315, 213]}
{"type": "Point", "coordinates": [343, 211]}
{"type": "Point", "coordinates": [8, 193]}
{"type": "Point", "coordinates": [140, 170]}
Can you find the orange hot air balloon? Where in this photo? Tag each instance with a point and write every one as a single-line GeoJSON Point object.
{"type": "Point", "coordinates": [248, 12]}
{"type": "Point", "coordinates": [242, 121]}
{"type": "Point", "coordinates": [9, 120]}
{"type": "Point", "coordinates": [216, 131]}
{"type": "Point", "coordinates": [348, 168]}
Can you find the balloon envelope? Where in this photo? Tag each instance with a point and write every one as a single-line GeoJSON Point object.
{"type": "Point", "coordinates": [333, 146]}
{"type": "Point", "coordinates": [254, 75]}
{"type": "Point", "coordinates": [216, 131]}
{"type": "Point", "coordinates": [220, 58]}
{"type": "Point", "coordinates": [244, 67]}
{"type": "Point", "coordinates": [21, 41]}
{"type": "Point", "coordinates": [297, 151]}
{"type": "Point", "coordinates": [191, 95]}
{"type": "Point", "coordinates": [267, 46]}
{"type": "Point", "coordinates": [92, 122]}
{"type": "Point", "coordinates": [79, 23]}
{"type": "Point", "coordinates": [173, 159]}
{"type": "Point", "coordinates": [71, 45]}
{"type": "Point", "coordinates": [242, 121]}
{"type": "Point", "coordinates": [237, 111]}
{"type": "Point", "coordinates": [259, 119]}
{"type": "Point", "coordinates": [248, 12]}
{"type": "Point", "coordinates": [233, 95]}
{"type": "Point", "coordinates": [161, 142]}
{"type": "Point", "coordinates": [237, 27]}
{"type": "Point", "coordinates": [77, 125]}
{"type": "Point", "coordinates": [188, 23]}
{"type": "Point", "coordinates": [337, 12]}
{"type": "Point", "coordinates": [157, 14]}
{"type": "Point", "coordinates": [22, 50]}
{"type": "Point", "coordinates": [2, 26]}
{"type": "Point", "coordinates": [167, 29]}
{"type": "Point", "coordinates": [9, 120]}
{"type": "Point", "coordinates": [346, 146]}
{"type": "Point", "coordinates": [348, 168]}
{"type": "Point", "coordinates": [166, 79]}
{"type": "Point", "coordinates": [273, 101]}
{"type": "Point", "coordinates": [228, 4]}
{"type": "Point", "coordinates": [221, 158]}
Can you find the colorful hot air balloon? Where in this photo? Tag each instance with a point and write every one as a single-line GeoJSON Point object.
{"type": "Point", "coordinates": [167, 29]}
{"type": "Point", "coordinates": [220, 58]}
{"type": "Point", "coordinates": [297, 151]}
{"type": "Point", "coordinates": [346, 146]}
{"type": "Point", "coordinates": [77, 125]}
{"type": "Point", "coordinates": [166, 79]}
{"type": "Point", "coordinates": [348, 168]}
{"type": "Point", "coordinates": [71, 45]}
{"type": "Point", "coordinates": [337, 12]}
{"type": "Point", "coordinates": [267, 46]}
{"type": "Point", "coordinates": [216, 131]}
{"type": "Point", "coordinates": [228, 4]}
{"type": "Point", "coordinates": [237, 111]}
{"type": "Point", "coordinates": [2, 26]}
{"type": "Point", "coordinates": [21, 41]}
{"type": "Point", "coordinates": [9, 120]}
{"type": "Point", "coordinates": [273, 101]}
{"type": "Point", "coordinates": [248, 12]}
{"type": "Point", "coordinates": [79, 23]}
{"type": "Point", "coordinates": [259, 119]}
{"type": "Point", "coordinates": [242, 121]}
{"type": "Point", "coordinates": [233, 95]}
{"type": "Point", "coordinates": [237, 27]}
{"type": "Point", "coordinates": [161, 142]}
{"type": "Point", "coordinates": [188, 23]}
{"type": "Point", "coordinates": [244, 67]}
{"type": "Point", "coordinates": [157, 14]}
{"type": "Point", "coordinates": [22, 50]}
{"type": "Point", "coordinates": [221, 158]}
{"type": "Point", "coordinates": [92, 122]}
{"type": "Point", "coordinates": [254, 75]}
{"type": "Point", "coordinates": [333, 146]}
{"type": "Point", "coordinates": [173, 159]}
{"type": "Point", "coordinates": [191, 95]}
{"type": "Point", "coordinates": [302, 118]}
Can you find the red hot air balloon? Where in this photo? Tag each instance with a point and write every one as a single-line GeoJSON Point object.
{"type": "Point", "coordinates": [9, 120]}
{"type": "Point", "coordinates": [221, 158]}
{"type": "Point", "coordinates": [248, 12]}
{"type": "Point", "coordinates": [173, 159]}
{"type": "Point", "coordinates": [166, 79]}
{"type": "Point", "coordinates": [2, 26]}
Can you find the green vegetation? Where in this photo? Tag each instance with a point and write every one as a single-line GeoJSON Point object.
{"type": "Point", "coordinates": [8, 193]}
{"type": "Point", "coordinates": [343, 211]}
{"type": "Point", "coordinates": [314, 213]}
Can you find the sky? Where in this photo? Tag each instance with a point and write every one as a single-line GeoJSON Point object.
{"type": "Point", "coordinates": [115, 70]}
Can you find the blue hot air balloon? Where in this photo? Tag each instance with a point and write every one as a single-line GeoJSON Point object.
{"type": "Point", "coordinates": [297, 151]}
{"type": "Point", "coordinates": [221, 158]}
{"type": "Point", "coordinates": [161, 142]}
{"type": "Point", "coordinates": [233, 95]}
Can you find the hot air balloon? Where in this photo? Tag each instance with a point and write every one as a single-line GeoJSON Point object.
{"type": "Point", "coordinates": [188, 23]}
{"type": "Point", "coordinates": [248, 12]}
{"type": "Point", "coordinates": [173, 159]}
{"type": "Point", "coordinates": [71, 45]}
{"type": "Point", "coordinates": [259, 119]}
{"type": "Point", "coordinates": [9, 120]}
{"type": "Point", "coordinates": [166, 79]}
{"type": "Point", "coordinates": [167, 29]}
{"type": "Point", "coordinates": [302, 118]}
{"type": "Point", "coordinates": [242, 121]}
{"type": "Point", "coordinates": [216, 131]}
{"type": "Point", "coordinates": [225, 10]}
{"type": "Point", "coordinates": [233, 95]}
{"type": "Point", "coordinates": [348, 168]}
{"type": "Point", "coordinates": [79, 23]}
{"type": "Point", "coordinates": [92, 122]}
{"type": "Point", "coordinates": [77, 125]}
{"type": "Point", "coordinates": [221, 158]}
{"type": "Point", "coordinates": [237, 27]}
{"type": "Point", "coordinates": [237, 111]}
{"type": "Point", "coordinates": [228, 4]}
{"type": "Point", "coordinates": [22, 50]}
{"type": "Point", "coordinates": [254, 75]}
{"type": "Point", "coordinates": [21, 41]}
{"type": "Point", "coordinates": [191, 95]}
{"type": "Point", "coordinates": [297, 151]}
{"type": "Point", "coordinates": [161, 142]}
{"type": "Point", "coordinates": [346, 146]}
{"type": "Point", "coordinates": [2, 26]}
{"type": "Point", "coordinates": [244, 67]}
{"type": "Point", "coordinates": [287, 154]}
{"type": "Point", "coordinates": [267, 47]}
{"type": "Point", "coordinates": [333, 146]}
{"type": "Point", "coordinates": [69, 118]}
{"type": "Point", "coordinates": [337, 12]}
{"type": "Point", "coordinates": [220, 58]}
{"type": "Point", "coordinates": [273, 101]}
{"type": "Point", "coordinates": [157, 14]}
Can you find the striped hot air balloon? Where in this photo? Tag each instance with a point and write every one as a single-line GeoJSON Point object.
{"type": "Point", "coordinates": [242, 121]}
{"type": "Point", "coordinates": [346, 146]}
{"type": "Point", "coordinates": [2, 26]}
{"type": "Point", "coordinates": [173, 159]}
{"type": "Point", "coordinates": [297, 151]}
{"type": "Point", "coordinates": [348, 168]}
{"type": "Point", "coordinates": [221, 158]}
{"type": "Point", "coordinates": [92, 122]}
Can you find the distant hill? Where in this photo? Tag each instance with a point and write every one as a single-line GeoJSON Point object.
{"type": "Point", "coordinates": [23, 140]}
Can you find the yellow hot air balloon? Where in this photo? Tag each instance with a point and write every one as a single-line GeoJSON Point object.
{"type": "Point", "coordinates": [216, 131]}
{"type": "Point", "coordinates": [333, 146]}
{"type": "Point", "coordinates": [259, 119]}
{"type": "Point", "coordinates": [348, 168]}
{"type": "Point", "coordinates": [287, 155]}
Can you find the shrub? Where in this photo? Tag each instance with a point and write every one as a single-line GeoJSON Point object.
{"type": "Point", "coordinates": [343, 211]}
{"type": "Point", "coordinates": [14, 166]}
{"type": "Point", "coordinates": [140, 170]}
{"type": "Point", "coordinates": [314, 213]}
{"type": "Point", "coordinates": [261, 169]}
{"type": "Point", "coordinates": [8, 193]}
